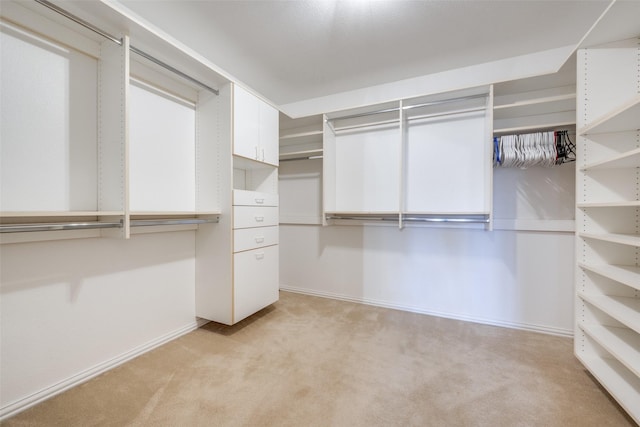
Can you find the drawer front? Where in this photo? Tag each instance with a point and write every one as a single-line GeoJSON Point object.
{"type": "Point", "coordinates": [254, 216]}
{"type": "Point", "coordinates": [251, 238]}
{"type": "Point", "coordinates": [254, 198]}
{"type": "Point", "coordinates": [256, 280]}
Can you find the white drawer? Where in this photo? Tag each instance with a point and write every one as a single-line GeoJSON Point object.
{"type": "Point", "coordinates": [254, 216]}
{"type": "Point", "coordinates": [251, 238]}
{"type": "Point", "coordinates": [256, 280]}
{"type": "Point", "coordinates": [254, 198]}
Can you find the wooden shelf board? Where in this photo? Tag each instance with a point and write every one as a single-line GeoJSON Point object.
{"type": "Point", "coordinates": [630, 159]}
{"type": "Point", "coordinates": [626, 274]}
{"type": "Point", "coordinates": [624, 309]}
{"type": "Point", "coordinates": [534, 101]}
{"type": "Point", "coordinates": [623, 239]}
{"type": "Point", "coordinates": [35, 214]}
{"type": "Point", "coordinates": [620, 382]}
{"type": "Point", "coordinates": [626, 117]}
{"type": "Point", "coordinates": [174, 213]}
{"type": "Point", "coordinates": [621, 343]}
{"type": "Point", "coordinates": [302, 153]}
{"type": "Point", "coordinates": [629, 204]}
{"type": "Point", "coordinates": [540, 127]}
{"type": "Point", "coordinates": [298, 135]}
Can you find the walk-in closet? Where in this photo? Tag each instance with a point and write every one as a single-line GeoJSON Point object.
{"type": "Point", "coordinates": [319, 212]}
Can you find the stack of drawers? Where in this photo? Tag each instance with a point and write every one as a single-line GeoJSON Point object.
{"type": "Point", "coordinates": [255, 252]}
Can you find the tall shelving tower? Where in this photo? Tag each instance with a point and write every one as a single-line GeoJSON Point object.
{"type": "Point", "coordinates": [607, 334]}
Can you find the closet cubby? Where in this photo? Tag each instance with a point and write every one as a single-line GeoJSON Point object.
{"type": "Point", "coordinates": [300, 171]}
{"type": "Point", "coordinates": [607, 339]}
{"type": "Point", "coordinates": [417, 161]}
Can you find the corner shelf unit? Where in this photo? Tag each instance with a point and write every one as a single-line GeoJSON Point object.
{"type": "Point", "coordinates": [607, 335]}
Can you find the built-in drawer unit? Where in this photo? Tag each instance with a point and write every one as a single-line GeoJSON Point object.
{"type": "Point", "coordinates": [256, 280]}
{"type": "Point", "coordinates": [254, 216]}
{"type": "Point", "coordinates": [251, 238]}
{"type": "Point", "coordinates": [254, 198]}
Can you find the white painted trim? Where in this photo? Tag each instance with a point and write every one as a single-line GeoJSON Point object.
{"type": "Point", "coordinates": [84, 376]}
{"type": "Point", "coordinates": [377, 303]}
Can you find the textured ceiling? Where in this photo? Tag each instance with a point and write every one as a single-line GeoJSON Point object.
{"type": "Point", "coordinates": [291, 51]}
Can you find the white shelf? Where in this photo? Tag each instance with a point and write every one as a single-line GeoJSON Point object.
{"type": "Point", "coordinates": [535, 101]}
{"type": "Point", "coordinates": [174, 213]}
{"type": "Point", "coordinates": [620, 383]}
{"type": "Point", "coordinates": [301, 154]}
{"type": "Point", "coordinates": [624, 309]}
{"type": "Point", "coordinates": [301, 138]}
{"type": "Point", "coordinates": [630, 159]}
{"type": "Point", "coordinates": [623, 239]}
{"type": "Point", "coordinates": [627, 204]}
{"type": "Point", "coordinates": [37, 214]}
{"type": "Point", "coordinates": [625, 274]}
{"type": "Point", "coordinates": [626, 117]}
{"type": "Point", "coordinates": [622, 343]}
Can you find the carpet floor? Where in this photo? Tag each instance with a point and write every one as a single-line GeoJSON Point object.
{"type": "Point", "coordinates": [308, 361]}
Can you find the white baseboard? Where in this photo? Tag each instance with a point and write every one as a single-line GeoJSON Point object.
{"type": "Point", "coordinates": [513, 325]}
{"type": "Point", "coordinates": [46, 393]}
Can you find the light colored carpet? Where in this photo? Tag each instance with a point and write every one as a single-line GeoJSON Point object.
{"type": "Point", "coordinates": [309, 361]}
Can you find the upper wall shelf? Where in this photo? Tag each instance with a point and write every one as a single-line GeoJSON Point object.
{"type": "Point", "coordinates": [534, 110]}
{"type": "Point", "coordinates": [621, 119]}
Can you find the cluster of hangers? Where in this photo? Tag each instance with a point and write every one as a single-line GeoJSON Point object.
{"type": "Point", "coordinates": [533, 149]}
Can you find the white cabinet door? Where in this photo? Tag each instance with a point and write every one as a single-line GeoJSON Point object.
{"type": "Point", "coordinates": [256, 281]}
{"type": "Point", "coordinates": [255, 128]}
{"type": "Point", "coordinates": [269, 134]}
{"type": "Point", "coordinates": [246, 124]}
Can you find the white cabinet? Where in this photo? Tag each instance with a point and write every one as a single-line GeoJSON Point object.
{"type": "Point", "coordinates": [607, 335]}
{"type": "Point", "coordinates": [255, 258]}
{"type": "Point", "coordinates": [255, 128]}
{"type": "Point", "coordinates": [256, 280]}
{"type": "Point", "coordinates": [242, 252]}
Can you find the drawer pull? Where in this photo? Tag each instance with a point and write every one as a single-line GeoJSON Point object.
{"type": "Point", "coordinates": [259, 218]}
{"type": "Point", "coordinates": [259, 239]}
{"type": "Point", "coordinates": [260, 255]}
{"type": "Point", "coordinates": [259, 201]}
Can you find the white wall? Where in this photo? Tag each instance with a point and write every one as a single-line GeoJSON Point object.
{"type": "Point", "coordinates": [511, 278]}
{"type": "Point", "coordinates": [520, 275]}
{"type": "Point", "coordinates": [72, 308]}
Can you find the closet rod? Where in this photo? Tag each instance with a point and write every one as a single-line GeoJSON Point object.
{"type": "Point", "coordinates": [117, 41]}
{"type": "Point", "coordinates": [409, 107]}
{"type": "Point", "coordinates": [185, 221]}
{"type": "Point", "coordinates": [20, 228]}
{"type": "Point", "coordinates": [462, 219]}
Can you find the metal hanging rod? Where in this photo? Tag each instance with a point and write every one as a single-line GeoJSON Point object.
{"type": "Point", "coordinates": [21, 228]}
{"type": "Point", "coordinates": [185, 221]}
{"type": "Point", "coordinates": [118, 41]}
{"type": "Point", "coordinates": [409, 107]}
{"type": "Point", "coordinates": [437, 218]}
{"type": "Point", "coordinates": [466, 219]}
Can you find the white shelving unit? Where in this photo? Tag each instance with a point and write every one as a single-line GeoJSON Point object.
{"type": "Point", "coordinates": [300, 172]}
{"type": "Point", "coordinates": [417, 161]}
{"type": "Point", "coordinates": [237, 266]}
{"type": "Point", "coordinates": [134, 143]}
{"type": "Point", "coordinates": [607, 338]}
